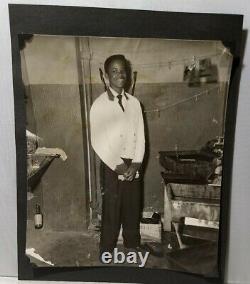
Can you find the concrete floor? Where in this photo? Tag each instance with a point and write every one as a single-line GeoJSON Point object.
{"type": "Point", "coordinates": [81, 249]}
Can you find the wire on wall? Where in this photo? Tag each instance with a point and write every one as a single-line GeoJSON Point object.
{"type": "Point", "coordinates": [194, 97]}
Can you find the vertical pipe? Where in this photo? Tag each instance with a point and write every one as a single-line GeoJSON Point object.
{"type": "Point", "coordinates": [86, 132]}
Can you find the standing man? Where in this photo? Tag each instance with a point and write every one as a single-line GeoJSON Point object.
{"type": "Point", "coordinates": [117, 137]}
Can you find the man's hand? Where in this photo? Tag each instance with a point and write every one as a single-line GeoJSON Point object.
{"type": "Point", "coordinates": [121, 169]}
{"type": "Point", "coordinates": [130, 173]}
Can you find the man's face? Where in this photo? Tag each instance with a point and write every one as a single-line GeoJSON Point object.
{"type": "Point", "coordinates": [117, 75]}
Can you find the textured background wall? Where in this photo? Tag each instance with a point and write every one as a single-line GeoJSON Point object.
{"type": "Point", "coordinates": [53, 109]}
{"type": "Point", "coordinates": [59, 123]}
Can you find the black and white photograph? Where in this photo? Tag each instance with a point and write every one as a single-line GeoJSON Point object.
{"type": "Point", "coordinates": [125, 141]}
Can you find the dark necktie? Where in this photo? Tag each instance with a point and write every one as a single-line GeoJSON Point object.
{"type": "Point", "coordinates": [120, 102]}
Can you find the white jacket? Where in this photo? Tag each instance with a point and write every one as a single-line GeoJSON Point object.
{"type": "Point", "coordinates": [116, 134]}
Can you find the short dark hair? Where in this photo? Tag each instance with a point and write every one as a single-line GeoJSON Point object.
{"type": "Point", "coordinates": [115, 57]}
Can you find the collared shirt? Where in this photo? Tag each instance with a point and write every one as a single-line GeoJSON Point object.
{"type": "Point", "coordinates": [116, 134]}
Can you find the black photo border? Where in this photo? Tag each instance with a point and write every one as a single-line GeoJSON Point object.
{"type": "Point", "coordinates": [86, 21]}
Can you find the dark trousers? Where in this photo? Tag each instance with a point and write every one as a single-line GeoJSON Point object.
{"type": "Point", "coordinates": [121, 205]}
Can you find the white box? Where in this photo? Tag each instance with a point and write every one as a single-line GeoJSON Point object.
{"type": "Point", "coordinates": [149, 233]}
